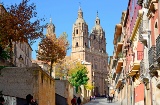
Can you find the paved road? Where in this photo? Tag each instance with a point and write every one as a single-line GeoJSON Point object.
{"type": "Point", "coordinates": [102, 101]}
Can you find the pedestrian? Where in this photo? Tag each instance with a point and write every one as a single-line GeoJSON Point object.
{"type": "Point", "coordinates": [109, 98]}
{"type": "Point", "coordinates": [73, 101]}
{"type": "Point", "coordinates": [30, 100]}
{"type": "Point", "coordinates": [79, 101]}
{"type": "Point", "coordinates": [90, 98]}
{"type": "Point", "coordinates": [2, 100]}
{"type": "Point", "coordinates": [94, 97]}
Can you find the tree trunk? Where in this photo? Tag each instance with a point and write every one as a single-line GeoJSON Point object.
{"type": "Point", "coordinates": [11, 53]}
{"type": "Point", "coordinates": [51, 68]}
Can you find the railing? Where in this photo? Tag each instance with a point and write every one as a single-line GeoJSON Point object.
{"type": "Point", "coordinates": [117, 78]}
{"type": "Point", "coordinates": [120, 55]}
{"type": "Point", "coordinates": [158, 48]}
{"type": "Point", "coordinates": [152, 56]}
{"type": "Point", "coordinates": [119, 39]}
{"type": "Point", "coordinates": [142, 28]}
{"type": "Point", "coordinates": [140, 55]}
{"type": "Point", "coordinates": [142, 66]}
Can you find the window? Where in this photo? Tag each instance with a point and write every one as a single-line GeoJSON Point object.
{"type": "Point", "coordinates": [156, 31]}
{"type": "Point", "coordinates": [76, 44]}
{"type": "Point", "coordinates": [94, 37]}
{"type": "Point", "coordinates": [77, 31]}
{"type": "Point", "coordinates": [85, 44]}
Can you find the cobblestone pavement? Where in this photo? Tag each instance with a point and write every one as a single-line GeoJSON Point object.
{"type": "Point", "coordinates": [101, 101]}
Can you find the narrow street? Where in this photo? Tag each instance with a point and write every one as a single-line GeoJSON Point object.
{"type": "Point", "coordinates": [101, 101]}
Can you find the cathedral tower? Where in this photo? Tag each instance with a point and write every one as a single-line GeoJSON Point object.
{"type": "Point", "coordinates": [97, 37]}
{"type": "Point", "coordinates": [80, 39]}
{"type": "Point", "coordinates": [50, 29]}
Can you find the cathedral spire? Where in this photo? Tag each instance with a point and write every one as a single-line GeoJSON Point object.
{"type": "Point", "coordinates": [50, 20]}
{"type": "Point", "coordinates": [97, 19]}
{"type": "Point", "coordinates": [97, 14]}
{"type": "Point", "coordinates": [80, 13]}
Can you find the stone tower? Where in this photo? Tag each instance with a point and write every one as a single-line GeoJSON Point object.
{"type": "Point", "coordinates": [80, 39]}
{"type": "Point", "coordinates": [97, 37]}
{"type": "Point", "coordinates": [91, 50]}
{"type": "Point", "coordinates": [50, 29]}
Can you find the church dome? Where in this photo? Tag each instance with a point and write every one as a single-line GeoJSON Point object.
{"type": "Point", "coordinates": [97, 27]}
{"type": "Point", "coordinates": [80, 20]}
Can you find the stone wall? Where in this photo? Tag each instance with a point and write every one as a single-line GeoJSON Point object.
{"type": "Point", "coordinates": [64, 89]}
{"type": "Point", "coordinates": [19, 82]}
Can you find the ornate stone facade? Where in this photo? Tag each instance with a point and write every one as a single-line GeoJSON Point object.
{"type": "Point", "coordinates": [91, 48]}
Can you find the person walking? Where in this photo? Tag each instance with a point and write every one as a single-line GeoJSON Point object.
{"type": "Point", "coordinates": [30, 100]}
{"type": "Point", "coordinates": [79, 101]}
{"type": "Point", "coordinates": [2, 101]}
{"type": "Point", "coordinates": [73, 101]}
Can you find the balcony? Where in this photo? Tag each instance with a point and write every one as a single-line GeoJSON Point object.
{"type": "Point", "coordinates": [136, 63]}
{"type": "Point", "coordinates": [119, 63]}
{"type": "Point", "coordinates": [113, 74]}
{"type": "Point", "coordinates": [158, 49]}
{"type": "Point", "coordinates": [152, 57]}
{"type": "Point", "coordinates": [119, 80]}
{"type": "Point", "coordinates": [119, 46]}
{"type": "Point", "coordinates": [135, 67]}
{"type": "Point", "coordinates": [142, 67]}
{"type": "Point", "coordinates": [152, 6]}
{"type": "Point", "coordinates": [143, 34]}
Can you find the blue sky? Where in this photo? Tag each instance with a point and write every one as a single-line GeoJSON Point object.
{"type": "Point", "coordinates": [64, 14]}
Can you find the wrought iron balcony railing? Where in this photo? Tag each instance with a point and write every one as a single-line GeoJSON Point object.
{"type": "Point", "coordinates": [142, 67]}
{"type": "Point", "coordinates": [158, 48]}
{"type": "Point", "coordinates": [152, 56]}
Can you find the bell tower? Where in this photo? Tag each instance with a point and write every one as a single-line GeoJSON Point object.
{"type": "Point", "coordinates": [80, 40]}
{"type": "Point", "coordinates": [97, 36]}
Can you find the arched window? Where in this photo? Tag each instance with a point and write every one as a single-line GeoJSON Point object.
{"type": "Point", "coordinates": [94, 37]}
{"type": "Point", "coordinates": [85, 44]}
{"type": "Point", "coordinates": [76, 44]}
{"type": "Point", "coordinates": [76, 31]}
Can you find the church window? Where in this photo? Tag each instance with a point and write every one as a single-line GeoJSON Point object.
{"type": "Point", "coordinates": [76, 44]}
{"type": "Point", "coordinates": [94, 37]}
{"type": "Point", "coordinates": [102, 50]}
{"type": "Point", "coordinates": [77, 31]}
{"type": "Point", "coordinates": [156, 30]}
{"type": "Point", "coordinates": [85, 44]}
{"type": "Point", "coordinates": [156, 26]}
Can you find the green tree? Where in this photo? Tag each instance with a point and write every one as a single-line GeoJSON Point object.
{"type": "Point", "coordinates": [79, 76]}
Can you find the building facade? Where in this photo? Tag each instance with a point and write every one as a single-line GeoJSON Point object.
{"type": "Point", "coordinates": [21, 51]}
{"type": "Point", "coordinates": [91, 48]}
{"type": "Point", "coordinates": [138, 83]}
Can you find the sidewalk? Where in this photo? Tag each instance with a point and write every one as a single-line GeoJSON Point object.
{"type": "Point", "coordinates": [102, 101]}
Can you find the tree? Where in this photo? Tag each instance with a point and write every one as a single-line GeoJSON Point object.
{"type": "Point", "coordinates": [51, 49]}
{"type": "Point", "coordinates": [89, 86]}
{"type": "Point", "coordinates": [16, 25]}
{"type": "Point", "coordinates": [79, 77]}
